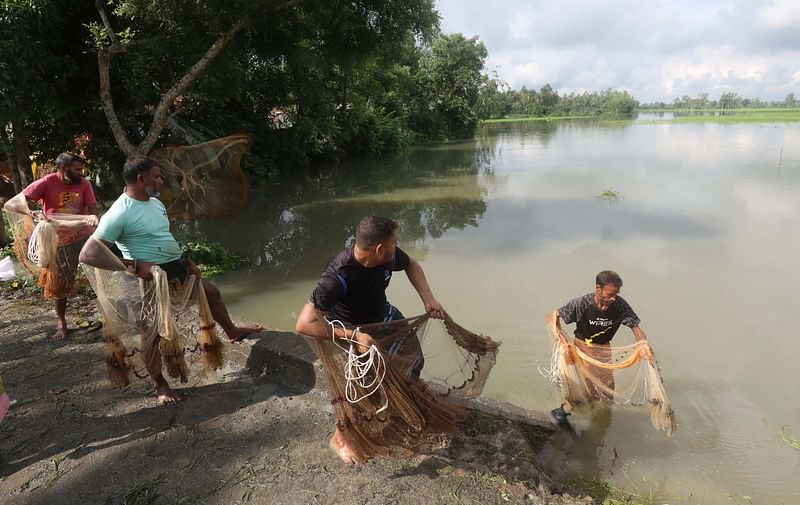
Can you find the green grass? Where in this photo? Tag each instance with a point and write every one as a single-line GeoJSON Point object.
{"type": "Point", "coordinates": [745, 116]}
{"type": "Point", "coordinates": [771, 115]}
{"type": "Point", "coordinates": [768, 115]}
{"type": "Point", "coordinates": [533, 118]}
{"type": "Point", "coordinates": [605, 493]}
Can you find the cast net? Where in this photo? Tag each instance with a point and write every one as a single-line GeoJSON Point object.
{"type": "Point", "coordinates": [586, 374]}
{"type": "Point", "coordinates": [48, 246]}
{"type": "Point", "coordinates": [204, 179]}
{"type": "Point", "coordinates": [150, 322]}
{"type": "Point", "coordinates": [382, 405]}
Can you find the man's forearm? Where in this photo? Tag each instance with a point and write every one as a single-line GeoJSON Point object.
{"type": "Point", "coordinates": [554, 319]}
{"type": "Point", "coordinates": [19, 205]}
{"type": "Point", "coordinates": [416, 275]}
{"type": "Point", "coordinates": [94, 253]}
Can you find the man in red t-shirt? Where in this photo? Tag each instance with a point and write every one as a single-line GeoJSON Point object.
{"type": "Point", "coordinates": [65, 192]}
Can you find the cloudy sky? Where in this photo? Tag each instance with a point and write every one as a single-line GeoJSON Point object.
{"type": "Point", "coordinates": [656, 50]}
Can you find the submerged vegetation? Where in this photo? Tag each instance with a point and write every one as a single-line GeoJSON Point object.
{"type": "Point", "coordinates": [609, 195]}
{"type": "Point", "coordinates": [789, 439]}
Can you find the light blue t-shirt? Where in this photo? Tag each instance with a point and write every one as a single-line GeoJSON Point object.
{"type": "Point", "coordinates": [140, 229]}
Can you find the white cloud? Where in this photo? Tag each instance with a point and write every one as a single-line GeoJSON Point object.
{"type": "Point", "coordinates": [656, 51]}
{"type": "Point", "coordinates": [781, 14]}
{"type": "Point", "coordinates": [526, 72]}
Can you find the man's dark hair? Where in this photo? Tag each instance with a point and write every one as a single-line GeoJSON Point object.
{"type": "Point", "coordinates": [137, 166]}
{"type": "Point", "coordinates": [373, 230]}
{"type": "Point", "coordinates": [608, 277]}
{"type": "Point", "coordinates": [66, 159]}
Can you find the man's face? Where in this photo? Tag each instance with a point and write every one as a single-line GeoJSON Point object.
{"type": "Point", "coordinates": [152, 181]}
{"type": "Point", "coordinates": [386, 249]}
{"type": "Point", "coordinates": [605, 296]}
{"type": "Point", "coordinates": [73, 173]}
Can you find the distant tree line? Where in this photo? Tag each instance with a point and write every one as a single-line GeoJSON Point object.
{"type": "Point", "coordinates": [727, 100]}
{"type": "Point", "coordinates": [497, 101]}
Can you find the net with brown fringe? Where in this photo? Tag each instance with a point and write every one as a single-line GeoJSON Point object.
{"type": "Point", "coordinates": [585, 374]}
{"type": "Point", "coordinates": [407, 410]}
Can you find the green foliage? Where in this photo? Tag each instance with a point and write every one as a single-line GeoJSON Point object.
{"type": "Point", "coordinates": [789, 439]}
{"type": "Point", "coordinates": [7, 250]}
{"type": "Point", "coordinates": [376, 80]}
{"type": "Point", "coordinates": [491, 98]}
{"type": "Point", "coordinates": [48, 81]}
{"type": "Point", "coordinates": [609, 195]}
{"type": "Point", "coordinates": [546, 102]}
{"type": "Point", "coordinates": [23, 281]}
{"type": "Point", "coordinates": [607, 494]}
{"type": "Point", "coordinates": [212, 258]}
{"type": "Point", "coordinates": [727, 100]}
{"type": "Point", "coordinates": [449, 81]}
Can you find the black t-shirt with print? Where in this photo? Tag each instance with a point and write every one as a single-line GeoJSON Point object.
{"type": "Point", "coordinates": [353, 293]}
{"type": "Point", "coordinates": [593, 325]}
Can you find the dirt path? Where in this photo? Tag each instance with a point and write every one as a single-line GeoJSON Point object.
{"type": "Point", "coordinates": [256, 432]}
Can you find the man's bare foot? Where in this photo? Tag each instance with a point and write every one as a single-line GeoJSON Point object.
{"type": "Point", "coordinates": [166, 396]}
{"type": "Point", "coordinates": [341, 449]}
{"type": "Point", "coordinates": [60, 334]}
{"type": "Point", "coordinates": [242, 332]}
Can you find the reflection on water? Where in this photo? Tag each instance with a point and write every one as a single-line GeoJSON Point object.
{"type": "Point", "coordinates": [508, 227]}
{"type": "Point", "coordinates": [292, 230]}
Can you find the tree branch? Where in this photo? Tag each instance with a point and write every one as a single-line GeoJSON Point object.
{"type": "Point", "coordinates": [101, 8]}
{"type": "Point", "coordinates": [106, 54]}
{"type": "Point", "coordinates": [160, 116]}
{"type": "Point", "coordinates": [104, 57]}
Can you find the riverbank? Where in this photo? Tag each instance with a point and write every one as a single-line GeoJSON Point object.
{"type": "Point", "coordinates": [255, 432]}
{"type": "Point", "coordinates": [765, 115]}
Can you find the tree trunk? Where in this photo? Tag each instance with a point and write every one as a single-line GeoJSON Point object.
{"type": "Point", "coordinates": [104, 64]}
{"type": "Point", "coordinates": [107, 54]}
{"type": "Point", "coordinates": [12, 161]}
{"type": "Point", "coordinates": [3, 239]}
{"type": "Point", "coordinates": [166, 102]}
{"type": "Point", "coordinates": [22, 153]}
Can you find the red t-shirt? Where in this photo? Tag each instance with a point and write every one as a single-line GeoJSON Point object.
{"type": "Point", "coordinates": [58, 197]}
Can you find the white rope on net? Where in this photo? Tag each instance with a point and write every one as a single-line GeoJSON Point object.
{"type": "Point", "coordinates": [364, 371]}
{"type": "Point", "coordinates": [43, 244]}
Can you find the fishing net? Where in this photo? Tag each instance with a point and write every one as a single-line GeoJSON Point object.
{"type": "Point", "coordinates": [381, 404]}
{"type": "Point", "coordinates": [146, 319]}
{"type": "Point", "coordinates": [48, 246]}
{"type": "Point", "coordinates": [204, 179]}
{"type": "Point", "coordinates": [586, 374]}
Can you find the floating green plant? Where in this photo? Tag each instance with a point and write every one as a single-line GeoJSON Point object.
{"type": "Point", "coordinates": [790, 440]}
{"type": "Point", "coordinates": [609, 195]}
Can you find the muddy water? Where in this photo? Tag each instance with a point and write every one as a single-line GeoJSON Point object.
{"type": "Point", "coordinates": [705, 233]}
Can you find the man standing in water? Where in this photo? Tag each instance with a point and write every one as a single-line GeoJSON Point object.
{"type": "Point", "coordinates": [137, 222]}
{"type": "Point", "coordinates": [352, 289]}
{"type": "Point", "coordinates": [598, 316]}
{"type": "Point", "coordinates": [64, 192]}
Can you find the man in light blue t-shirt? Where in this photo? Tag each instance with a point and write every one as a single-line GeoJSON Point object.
{"type": "Point", "coordinates": [137, 223]}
